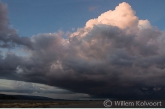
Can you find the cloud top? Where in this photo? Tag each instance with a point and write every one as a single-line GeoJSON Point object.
{"type": "Point", "coordinates": [123, 16]}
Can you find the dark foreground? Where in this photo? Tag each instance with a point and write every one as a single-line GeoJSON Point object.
{"type": "Point", "coordinates": [50, 104]}
{"type": "Point", "coordinates": [81, 104]}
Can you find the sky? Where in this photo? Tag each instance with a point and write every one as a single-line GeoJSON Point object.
{"type": "Point", "coordinates": [31, 17]}
{"type": "Point", "coordinates": [83, 49]}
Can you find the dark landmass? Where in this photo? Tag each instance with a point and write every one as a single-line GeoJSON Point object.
{"type": "Point", "coordinates": [22, 97]}
{"type": "Point", "coordinates": [24, 101]}
{"type": "Point", "coordinates": [51, 104]}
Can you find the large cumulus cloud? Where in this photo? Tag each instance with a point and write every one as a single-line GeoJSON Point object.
{"type": "Point", "coordinates": [115, 55]}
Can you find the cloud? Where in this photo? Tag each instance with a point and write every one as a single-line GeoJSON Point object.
{"type": "Point", "coordinates": [115, 55]}
{"type": "Point", "coordinates": [8, 36]}
{"type": "Point", "coordinates": [123, 16]}
{"type": "Point", "coordinates": [27, 88]}
{"type": "Point", "coordinates": [92, 8]}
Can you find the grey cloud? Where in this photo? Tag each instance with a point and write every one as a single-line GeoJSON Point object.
{"type": "Point", "coordinates": [27, 88]}
{"type": "Point", "coordinates": [8, 36]}
{"type": "Point", "coordinates": [99, 64]}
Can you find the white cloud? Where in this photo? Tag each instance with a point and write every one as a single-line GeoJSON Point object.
{"type": "Point", "coordinates": [123, 16]}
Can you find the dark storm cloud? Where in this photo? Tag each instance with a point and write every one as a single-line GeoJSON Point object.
{"type": "Point", "coordinates": [103, 59]}
{"type": "Point", "coordinates": [102, 63]}
{"type": "Point", "coordinates": [9, 63]}
{"type": "Point", "coordinates": [8, 36]}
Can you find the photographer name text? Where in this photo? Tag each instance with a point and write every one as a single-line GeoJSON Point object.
{"type": "Point", "coordinates": [138, 103]}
